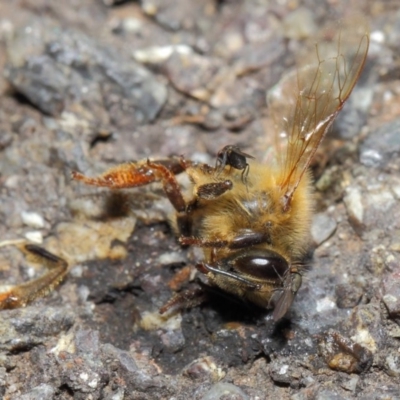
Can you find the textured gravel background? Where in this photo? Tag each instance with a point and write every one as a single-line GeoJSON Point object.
{"type": "Point", "coordinates": [88, 84]}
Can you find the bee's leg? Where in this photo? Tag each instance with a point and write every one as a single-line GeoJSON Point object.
{"type": "Point", "coordinates": [186, 299]}
{"type": "Point", "coordinates": [241, 241]}
{"type": "Point", "coordinates": [208, 191]}
{"type": "Point", "coordinates": [211, 191]}
{"type": "Point", "coordinates": [142, 173]}
{"type": "Point", "coordinates": [199, 242]}
{"type": "Point", "coordinates": [207, 268]}
{"type": "Point", "coordinates": [21, 295]}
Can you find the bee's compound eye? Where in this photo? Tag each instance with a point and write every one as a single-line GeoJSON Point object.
{"type": "Point", "coordinates": [264, 265]}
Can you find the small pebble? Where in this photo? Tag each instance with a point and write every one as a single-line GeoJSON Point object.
{"type": "Point", "coordinates": [382, 146]}
{"type": "Point", "coordinates": [347, 295]}
{"type": "Point", "coordinates": [354, 205]}
{"type": "Point", "coordinates": [351, 384]}
{"type": "Point", "coordinates": [280, 372]}
{"type": "Point", "coordinates": [205, 367]}
{"type": "Point", "coordinates": [391, 294]}
{"type": "Point", "coordinates": [392, 364]}
{"type": "Point", "coordinates": [34, 236]}
{"type": "Point", "coordinates": [325, 304]}
{"type": "Point", "coordinates": [32, 219]}
{"type": "Point", "coordinates": [323, 227]}
{"type": "Point", "coordinates": [157, 55]}
{"type": "Point", "coordinates": [223, 390]}
{"type": "Point", "coordinates": [300, 24]}
{"type": "Point", "coordinates": [41, 392]}
{"type": "Point", "coordinates": [168, 258]}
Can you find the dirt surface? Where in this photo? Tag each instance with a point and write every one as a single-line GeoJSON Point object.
{"type": "Point", "coordinates": [89, 84]}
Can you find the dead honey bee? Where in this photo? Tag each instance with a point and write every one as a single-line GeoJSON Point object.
{"type": "Point", "coordinates": [252, 220]}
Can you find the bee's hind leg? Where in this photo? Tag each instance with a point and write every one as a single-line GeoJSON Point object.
{"type": "Point", "coordinates": [130, 175]}
{"type": "Point", "coordinates": [21, 295]}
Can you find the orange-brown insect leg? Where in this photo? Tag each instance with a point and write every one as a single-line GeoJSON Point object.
{"type": "Point", "coordinates": [170, 185]}
{"type": "Point", "coordinates": [21, 295]}
{"type": "Point", "coordinates": [241, 241]}
{"type": "Point", "coordinates": [131, 175]}
{"type": "Point", "coordinates": [186, 299]}
{"type": "Point", "coordinates": [196, 241]}
{"type": "Point", "coordinates": [122, 176]}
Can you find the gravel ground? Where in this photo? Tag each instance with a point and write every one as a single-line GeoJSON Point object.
{"type": "Point", "coordinates": [90, 84]}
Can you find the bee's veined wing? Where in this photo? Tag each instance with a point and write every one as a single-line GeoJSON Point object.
{"type": "Point", "coordinates": [305, 102]}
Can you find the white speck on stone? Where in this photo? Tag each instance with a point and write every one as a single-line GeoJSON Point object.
{"type": "Point", "coordinates": [325, 304]}
{"type": "Point", "coordinates": [153, 320]}
{"type": "Point", "coordinates": [32, 219]}
{"type": "Point", "coordinates": [132, 24]}
{"type": "Point", "coordinates": [389, 298]}
{"type": "Point", "coordinates": [308, 342]}
{"type": "Point", "coordinates": [390, 259]}
{"type": "Point", "coordinates": [84, 376]}
{"type": "Point", "coordinates": [221, 389]}
{"type": "Point", "coordinates": [387, 96]}
{"type": "Point", "coordinates": [155, 55]}
{"type": "Point", "coordinates": [364, 338]}
{"type": "Point", "coordinates": [170, 258]}
{"type": "Point", "coordinates": [65, 343]}
{"type": "Point", "coordinates": [371, 158]}
{"type": "Point", "coordinates": [83, 292]}
{"type": "Point", "coordinates": [93, 383]}
{"type": "Point", "coordinates": [331, 209]}
{"type": "Point", "coordinates": [283, 369]}
{"type": "Point", "coordinates": [31, 272]}
{"type": "Point", "coordinates": [34, 236]}
{"type": "Point", "coordinates": [382, 200]}
{"type": "Point", "coordinates": [12, 182]}
{"type": "Point", "coordinates": [393, 363]}
{"type": "Point", "coordinates": [396, 191]}
{"type": "Point", "coordinates": [149, 8]}
{"type": "Point", "coordinates": [76, 271]}
{"type": "Point", "coordinates": [119, 395]}
{"type": "Point", "coordinates": [6, 29]}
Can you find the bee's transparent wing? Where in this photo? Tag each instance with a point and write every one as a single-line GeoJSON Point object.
{"type": "Point", "coordinates": [305, 103]}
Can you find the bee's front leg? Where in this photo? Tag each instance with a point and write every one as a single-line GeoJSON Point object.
{"type": "Point", "coordinates": [207, 191]}
{"type": "Point", "coordinates": [244, 239]}
{"type": "Point", "coordinates": [186, 299]}
{"type": "Point", "coordinates": [211, 191]}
